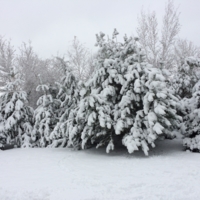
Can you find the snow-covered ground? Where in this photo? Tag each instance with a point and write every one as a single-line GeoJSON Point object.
{"type": "Point", "coordinates": [65, 174]}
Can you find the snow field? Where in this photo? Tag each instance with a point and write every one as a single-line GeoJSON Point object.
{"type": "Point", "coordinates": [61, 174]}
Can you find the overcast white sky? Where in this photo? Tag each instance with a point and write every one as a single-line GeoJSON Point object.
{"type": "Point", "coordinates": [51, 24]}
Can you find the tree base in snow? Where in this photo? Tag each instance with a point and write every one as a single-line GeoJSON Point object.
{"type": "Point", "coordinates": [192, 144]}
{"type": "Point", "coordinates": [192, 150]}
{"type": "Point", "coordinates": [7, 146]}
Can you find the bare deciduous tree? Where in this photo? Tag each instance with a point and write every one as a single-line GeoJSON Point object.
{"type": "Point", "coordinates": [31, 67]}
{"type": "Point", "coordinates": [148, 34]}
{"type": "Point", "coordinates": [80, 60]}
{"type": "Point", "coordinates": [183, 49]}
{"type": "Point", "coordinates": [159, 47]}
{"type": "Point", "coordinates": [8, 70]}
{"type": "Point", "coordinates": [170, 30]}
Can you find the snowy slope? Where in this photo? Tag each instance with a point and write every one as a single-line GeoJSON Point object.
{"type": "Point", "coordinates": [62, 174]}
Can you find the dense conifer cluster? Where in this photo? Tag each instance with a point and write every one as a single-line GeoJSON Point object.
{"type": "Point", "coordinates": [126, 100]}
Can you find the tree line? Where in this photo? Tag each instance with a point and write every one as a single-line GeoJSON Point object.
{"type": "Point", "coordinates": [134, 91]}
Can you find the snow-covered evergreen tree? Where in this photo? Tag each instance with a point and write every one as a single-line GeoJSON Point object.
{"type": "Point", "coordinates": [16, 119]}
{"type": "Point", "coordinates": [68, 97]}
{"type": "Point", "coordinates": [15, 115]}
{"type": "Point", "coordinates": [186, 77]}
{"type": "Point", "coordinates": [154, 108]}
{"type": "Point", "coordinates": [147, 109]}
{"type": "Point", "coordinates": [92, 120]}
{"type": "Point", "coordinates": [45, 117]}
{"type": "Point", "coordinates": [125, 97]}
{"type": "Point", "coordinates": [191, 124]}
